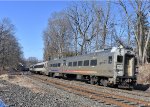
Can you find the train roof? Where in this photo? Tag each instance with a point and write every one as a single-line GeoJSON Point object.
{"type": "Point", "coordinates": [40, 63]}
{"type": "Point", "coordinates": [97, 52]}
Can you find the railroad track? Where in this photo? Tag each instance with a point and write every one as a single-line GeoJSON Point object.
{"type": "Point", "coordinates": [133, 92]}
{"type": "Point", "coordinates": [102, 97]}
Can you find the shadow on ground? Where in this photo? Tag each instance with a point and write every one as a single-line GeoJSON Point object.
{"type": "Point", "coordinates": [142, 87]}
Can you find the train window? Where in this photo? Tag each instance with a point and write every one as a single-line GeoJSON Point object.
{"type": "Point", "coordinates": [54, 65]}
{"type": "Point", "coordinates": [39, 66]}
{"type": "Point", "coordinates": [74, 63]}
{"type": "Point", "coordinates": [51, 65]}
{"type": "Point", "coordinates": [86, 63]}
{"type": "Point", "coordinates": [79, 63]}
{"type": "Point", "coordinates": [58, 64]}
{"type": "Point", "coordinates": [119, 58]}
{"type": "Point", "coordinates": [110, 59]}
{"type": "Point", "coordinates": [70, 64]}
{"type": "Point", "coordinates": [64, 62]}
{"type": "Point", "coordinates": [93, 62]}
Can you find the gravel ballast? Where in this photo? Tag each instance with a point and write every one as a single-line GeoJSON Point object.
{"type": "Point", "coordinates": [20, 96]}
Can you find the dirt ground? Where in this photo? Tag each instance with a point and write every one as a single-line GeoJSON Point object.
{"type": "Point", "coordinates": [22, 81]}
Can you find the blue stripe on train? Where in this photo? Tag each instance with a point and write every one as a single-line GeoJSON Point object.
{"type": "Point", "coordinates": [55, 70]}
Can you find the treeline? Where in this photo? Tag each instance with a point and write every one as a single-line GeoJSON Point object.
{"type": "Point", "coordinates": [10, 50]}
{"type": "Point", "coordinates": [30, 61]}
{"type": "Point", "coordinates": [88, 26]}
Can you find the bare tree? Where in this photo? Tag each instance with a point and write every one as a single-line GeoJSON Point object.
{"type": "Point", "coordinates": [140, 31]}
{"type": "Point", "coordinates": [140, 34]}
{"type": "Point", "coordinates": [31, 60]}
{"type": "Point", "coordinates": [103, 22]}
{"type": "Point", "coordinates": [128, 20]}
{"type": "Point", "coordinates": [10, 50]}
{"type": "Point", "coordinates": [57, 36]}
{"type": "Point", "coordinates": [148, 52]}
{"type": "Point", "coordinates": [89, 26]}
{"type": "Point", "coordinates": [81, 16]}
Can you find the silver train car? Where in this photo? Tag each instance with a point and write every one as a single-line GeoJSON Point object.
{"type": "Point", "coordinates": [115, 66]}
{"type": "Point", "coordinates": [40, 68]}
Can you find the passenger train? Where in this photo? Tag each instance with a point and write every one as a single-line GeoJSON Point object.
{"type": "Point", "coordinates": [40, 68]}
{"type": "Point", "coordinates": [115, 66]}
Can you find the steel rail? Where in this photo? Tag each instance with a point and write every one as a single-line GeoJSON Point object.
{"type": "Point", "coordinates": [93, 94]}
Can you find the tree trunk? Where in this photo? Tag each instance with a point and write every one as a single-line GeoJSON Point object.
{"type": "Point", "coordinates": [145, 48]}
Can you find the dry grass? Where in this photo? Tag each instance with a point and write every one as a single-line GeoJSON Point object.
{"type": "Point", "coordinates": [22, 81]}
{"type": "Point", "coordinates": [4, 77]}
{"type": "Point", "coordinates": [2, 72]}
{"type": "Point", "coordinates": [144, 74]}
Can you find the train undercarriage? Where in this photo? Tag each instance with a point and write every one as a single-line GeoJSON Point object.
{"type": "Point", "coordinates": [126, 82]}
{"type": "Point", "coordinates": [121, 82]}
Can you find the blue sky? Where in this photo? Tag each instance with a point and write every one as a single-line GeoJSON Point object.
{"type": "Point", "coordinates": [30, 19]}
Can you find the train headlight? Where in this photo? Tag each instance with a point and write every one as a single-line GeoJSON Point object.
{"type": "Point", "coordinates": [119, 72]}
{"type": "Point", "coordinates": [119, 66]}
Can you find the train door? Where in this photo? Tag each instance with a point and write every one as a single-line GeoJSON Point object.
{"type": "Point", "coordinates": [129, 65]}
{"type": "Point", "coordinates": [64, 66]}
{"type": "Point", "coordinates": [46, 68]}
{"type": "Point", "coordinates": [119, 65]}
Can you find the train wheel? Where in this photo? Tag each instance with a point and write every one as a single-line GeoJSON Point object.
{"type": "Point", "coordinates": [93, 80]}
{"type": "Point", "coordinates": [104, 82]}
{"type": "Point", "coordinates": [51, 74]}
